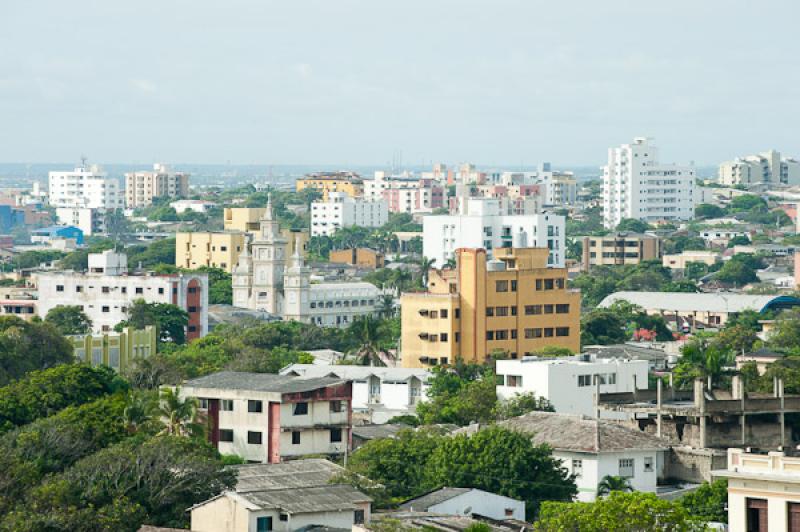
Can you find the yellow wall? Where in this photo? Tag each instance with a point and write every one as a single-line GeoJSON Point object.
{"type": "Point", "coordinates": [473, 289]}
{"type": "Point", "coordinates": [216, 250]}
{"type": "Point", "coordinates": [354, 189]}
{"type": "Point", "coordinates": [242, 218]}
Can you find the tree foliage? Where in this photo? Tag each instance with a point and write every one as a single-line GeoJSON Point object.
{"type": "Point", "coordinates": [618, 323]}
{"type": "Point", "coordinates": [26, 346]}
{"type": "Point", "coordinates": [461, 395]}
{"type": "Point", "coordinates": [708, 502]}
{"type": "Point", "coordinates": [170, 320]}
{"type": "Point", "coordinates": [69, 319]}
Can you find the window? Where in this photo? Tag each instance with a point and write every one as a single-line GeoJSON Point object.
{"type": "Point", "coordinates": [536, 309]}
{"type": "Point", "coordinates": [584, 380]}
{"type": "Point", "coordinates": [226, 435]}
{"type": "Point", "coordinates": [500, 380]}
{"type": "Point", "coordinates": [501, 311]}
{"type": "Point", "coordinates": [106, 308]}
{"type": "Point", "coordinates": [489, 311]}
{"type": "Point", "coordinates": [514, 381]}
{"type": "Point", "coordinates": [560, 284]}
{"type": "Point", "coordinates": [513, 310]}
{"type": "Point", "coordinates": [263, 524]}
{"type": "Point", "coordinates": [648, 463]}
{"type": "Point", "coordinates": [501, 335]}
{"type": "Point", "coordinates": [434, 314]}
{"type": "Point", "coordinates": [562, 309]}
{"type": "Point", "coordinates": [443, 313]}
{"type": "Point", "coordinates": [336, 435]}
{"type": "Point", "coordinates": [443, 337]}
{"type": "Point", "coordinates": [539, 284]}
{"type": "Point", "coordinates": [161, 290]}
{"type": "Point", "coordinates": [562, 331]}
{"type": "Point", "coordinates": [626, 467]}
{"type": "Point", "coordinates": [458, 313]}
{"type": "Point", "coordinates": [509, 512]}
{"type": "Point", "coordinates": [548, 284]}
{"type": "Point", "coordinates": [548, 332]}
{"type": "Point", "coordinates": [490, 335]}
{"type": "Point", "coordinates": [300, 409]}
{"type": "Point", "coordinates": [336, 406]}
{"type": "Point", "coordinates": [513, 334]}
{"type": "Point", "coordinates": [577, 467]}
{"type": "Point", "coordinates": [255, 406]}
{"type": "Point", "coordinates": [253, 438]}
{"type": "Point", "coordinates": [295, 437]}
{"type": "Point", "coordinates": [501, 286]}
{"type": "Point", "coordinates": [358, 517]}
{"type": "Point", "coordinates": [226, 405]}
{"type": "Point", "coordinates": [283, 517]}
{"type": "Point", "coordinates": [548, 309]}
{"type": "Point", "coordinates": [192, 289]}
{"type": "Point", "coordinates": [192, 309]}
{"type": "Point", "coordinates": [203, 404]}
{"type": "Point", "coordinates": [59, 288]}
{"type": "Point", "coordinates": [139, 290]}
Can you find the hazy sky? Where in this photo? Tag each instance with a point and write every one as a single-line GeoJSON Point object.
{"type": "Point", "coordinates": [347, 82]}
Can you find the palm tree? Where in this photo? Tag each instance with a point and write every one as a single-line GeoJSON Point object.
{"type": "Point", "coordinates": [136, 413]}
{"type": "Point", "coordinates": [425, 265]}
{"type": "Point", "coordinates": [611, 483]}
{"type": "Point", "coordinates": [386, 306]}
{"type": "Point", "coordinates": [180, 416]}
{"type": "Point", "coordinates": [365, 330]}
{"type": "Point", "coordinates": [706, 359]}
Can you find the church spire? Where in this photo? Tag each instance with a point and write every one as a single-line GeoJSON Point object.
{"type": "Point", "coordinates": [268, 212]}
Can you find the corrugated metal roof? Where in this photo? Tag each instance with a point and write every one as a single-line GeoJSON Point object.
{"type": "Point", "coordinates": [421, 504]}
{"type": "Point", "coordinates": [689, 302]}
{"type": "Point", "coordinates": [313, 472]}
{"type": "Point", "coordinates": [335, 497]}
{"type": "Point", "coordinates": [261, 382]}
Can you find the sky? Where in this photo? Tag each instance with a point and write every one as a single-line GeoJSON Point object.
{"type": "Point", "coordinates": [495, 82]}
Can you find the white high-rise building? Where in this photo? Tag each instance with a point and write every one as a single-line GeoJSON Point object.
{"type": "Point", "coordinates": [765, 167]}
{"type": "Point", "coordinates": [87, 187]}
{"type": "Point", "coordinates": [482, 223]}
{"type": "Point", "coordinates": [636, 185]}
{"type": "Point", "coordinates": [343, 211]}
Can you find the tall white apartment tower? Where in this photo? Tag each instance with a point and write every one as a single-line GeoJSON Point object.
{"type": "Point", "coordinates": [636, 185]}
{"type": "Point", "coordinates": [85, 186]}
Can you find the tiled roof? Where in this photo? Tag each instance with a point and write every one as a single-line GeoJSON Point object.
{"type": "Point", "coordinates": [335, 497]}
{"type": "Point", "coordinates": [313, 472]}
{"type": "Point", "coordinates": [261, 382]}
{"type": "Point", "coordinates": [357, 372]}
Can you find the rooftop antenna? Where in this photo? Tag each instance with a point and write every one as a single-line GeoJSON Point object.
{"type": "Point", "coordinates": [83, 162]}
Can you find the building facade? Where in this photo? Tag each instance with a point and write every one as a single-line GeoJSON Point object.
{"type": "Point", "coordinates": [107, 290]}
{"type": "Point", "coordinates": [266, 279]}
{"type": "Point", "coordinates": [481, 224]}
{"type": "Point", "coordinates": [766, 167]}
{"type": "Point", "coordinates": [617, 249]}
{"type": "Point", "coordinates": [570, 384]}
{"type": "Point", "coordinates": [514, 304]}
{"type": "Point", "coordinates": [161, 182]}
{"type": "Point", "coordinates": [637, 186]}
{"type": "Point", "coordinates": [90, 221]}
{"type": "Point", "coordinates": [348, 183]}
{"type": "Point", "coordinates": [270, 418]}
{"type": "Point", "coordinates": [362, 257]}
{"type": "Point", "coordinates": [763, 491]}
{"type": "Point", "coordinates": [85, 186]}
{"type": "Point", "coordinates": [116, 350]}
{"type": "Point", "coordinates": [341, 210]}
{"type": "Point", "coordinates": [211, 249]}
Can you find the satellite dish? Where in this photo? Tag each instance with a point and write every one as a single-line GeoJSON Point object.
{"type": "Point", "coordinates": [468, 510]}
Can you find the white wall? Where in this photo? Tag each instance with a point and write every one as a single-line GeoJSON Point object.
{"type": "Point", "coordinates": [595, 467]}
{"type": "Point", "coordinates": [482, 503]}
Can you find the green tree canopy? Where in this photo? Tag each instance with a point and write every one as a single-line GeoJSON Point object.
{"type": "Point", "coordinates": [459, 396]}
{"type": "Point", "coordinates": [706, 211]}
{"type": "Point", "coordinates": [708, 502]}
{"type": "Point", "coordinates": [632, 225]}
{"type": "Point", "coordinates": [69, 319]}
{"type": "Point", "coordinates": [169, 319]}
{"type": "Point", "coordinates": [26, 346]}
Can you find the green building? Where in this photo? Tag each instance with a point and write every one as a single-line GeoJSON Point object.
{"type": "Point", "coordinates": [115, 349]}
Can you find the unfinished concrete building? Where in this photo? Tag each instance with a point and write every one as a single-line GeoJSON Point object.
{"type": "Point", "coordinates": [703, 423]}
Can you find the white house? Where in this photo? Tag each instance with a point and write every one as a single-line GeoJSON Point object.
{"type": "Point", "coordinates": [387, 392]}
{"type": "Point", "coordinates": [264, 417]}
{"type": "Point", "coordinates": [343, 211]}
{"type": "Point", "coordinates": [108, 289]}
{"type": "Point", "coordinates": [85, 187]}
{"type": "Point", "coordinates": [289, 496]}
{"type": "Point", "coordinates": [184, 205]}
{"type": "Point", "coordinates": [570, 383]}
{"type": "Point", "coordinates": [636, 185]}
{"type": "Point", "coordinates": [480, 224]}
{"type": "Point", "coordinates": [712, 235]}
{"type": "Point", "coordinates": [467, 501]}
{"type": "Point", "coordinates": [592, 449]}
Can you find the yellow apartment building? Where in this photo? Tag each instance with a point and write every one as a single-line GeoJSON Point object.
{"type": "Point", "coordinates": [511, 303]}
{"type": "Point", "coordinates": [347, 182]}
{"type": "Point", "coordinates": [212, 249]}
{"type": "Point", "coordinates": [617, 249]}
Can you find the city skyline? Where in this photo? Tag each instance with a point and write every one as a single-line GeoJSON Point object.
{"type": "Point", "coordinates": [351, 83]}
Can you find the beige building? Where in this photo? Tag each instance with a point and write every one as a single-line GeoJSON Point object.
{"type": "Point", "coordinates": [211, 249]}
{"type": "Point", "coordinates": [247, 219]}
{"type": "Point", "coordinates": [763, 491]}
{"type": "Point", "coordinates": [513, 303]}
{"type": "Point", "coordinates": [679, 261]}
{"type": "Point", "coordinates": [363, 257]}
{"type": "Point", "coordinates": [142, 187]}
{"type": "Point", "coordinates": [326, 182]}
{"type": "Point", "coordinates": [617, 249]}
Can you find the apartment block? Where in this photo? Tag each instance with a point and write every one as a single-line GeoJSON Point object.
{"type": "Point", "coordinates": [85, 186]}
{"type": "Point", "coordinates": [161, 182]}
{"type": "Point", "coordinates": [210, 249]}
{"type": "Point", "coordinates": [481, 223]}
{"type": "Point", "coordinates": [348, 183]}
{"type": "Point", "coordinates": [107, 290]}
{"type": "Point", "coordinates": [270, 418]}
{"type": "Point", "coordinates": [341, 210]}
{"type": "Point", "coordinates": [116, 350]}
{"type": "Point", "coordinates": [513, 303]}
{"type": "Point", "coordinates": [618, 249]}
{"type": "Point", "coordinates": [361, 257]}
{"type": "Point", "coordinates": [766, 167]}
{"type": "Point", "coordinates": [89, 220]}
{"type": "Point", "coordinates": [637, 186]}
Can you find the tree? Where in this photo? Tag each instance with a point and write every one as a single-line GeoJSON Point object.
{"type": "Point", "coordinates": [522, 404]}
{"type": "Point", "coordinates": [619, 512]}
{"type": "Point", "coordinates": [702, 358]}
{"type": "Point", "coordinates": [170, 320]}
{"type": "Point", "coordinates": [386, 306]}
{"type": "Point", "coordinates": [706, 210]}
{"type": "Point", "coordinates": [220, 288]}
{"type": "Point", "coordinates": [501, 461]}
{"type": "Point", "coordinates": [159, 252]}
{"type": "Point", "coordinates": [786, 330]}
{"type": "Point", "coordinates": [69, 319]}
{"type": "Point", "coordinates": [746, 202]}
{"type": "Point", "coordinates": [739, 240]}
{"type": "Point", "coordinates": [610, 483]}
{"type": "Point", "coordinates": [708, 502]}
{"type": "Point", "coordinates": [453, 398]}
{"type": "Point", "coordinates": [179, 416]}
{"type": "Point", "coordinates": [737, 273]}
{"type": "Point", "coordinates": [27, 346]}
{"type": "Point", "coordinates": [632, 225]}
{"type": "Point", "coordinates": [365, 331]}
